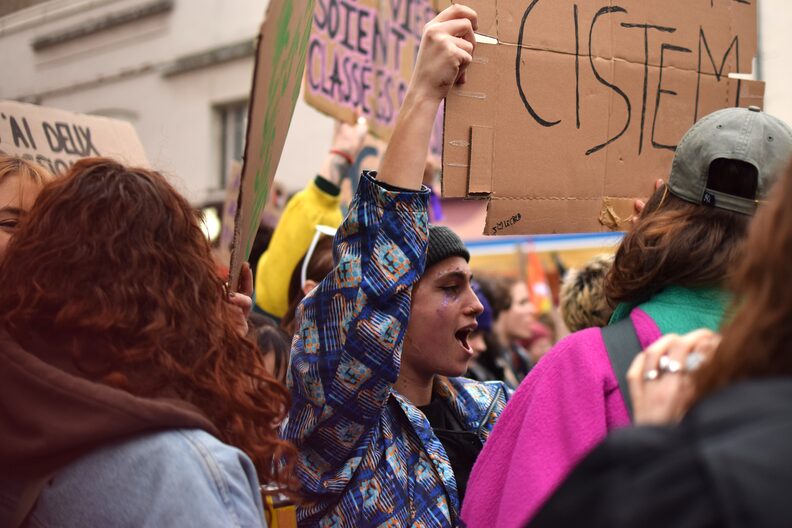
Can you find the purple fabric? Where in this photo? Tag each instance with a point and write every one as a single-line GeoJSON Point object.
{"type": "Point", "coordinates": [435, 206]}
{"type": "Point", "coordinates": [564, 408]}
{"type": "Point", "coordinates": [484, 319]}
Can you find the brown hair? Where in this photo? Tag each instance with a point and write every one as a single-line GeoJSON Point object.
{"type": "Point", "coordinates": [112, 267]}
{"type": "Point", "coordinates": [757, 341]}
{"type": "Point", "coordinates": [675, 243]}
{"type": "Point", "coordinates": [320, 265]}
{"type": "Point", "coordinates": [271, 339]}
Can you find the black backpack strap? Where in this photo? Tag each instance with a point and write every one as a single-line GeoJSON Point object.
{"type": "Point", "coordinates": [623, 345]}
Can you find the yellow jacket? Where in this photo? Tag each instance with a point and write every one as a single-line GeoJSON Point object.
{"type": "Point", "coordinates": [317, 204]}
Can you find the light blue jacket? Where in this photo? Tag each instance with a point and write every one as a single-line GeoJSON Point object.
{"type": "Point", "coordinates": [173, 478]}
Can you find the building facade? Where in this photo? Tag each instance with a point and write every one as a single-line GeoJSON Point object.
{"type": "Point", "coordinates": [180, 71]}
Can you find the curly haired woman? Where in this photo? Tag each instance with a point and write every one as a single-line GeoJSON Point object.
{"type": "Point", "coordinates": [125, 381]}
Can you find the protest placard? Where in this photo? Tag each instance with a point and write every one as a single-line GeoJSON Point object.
{"type": "Point", "coordinates": [57, 138]}
{"type": "Point", "coordinates": [578, 106]}
{"type": "Point", "coordinates": [280, 60]}
{"type": "Point", "coordinates": [361, 56]}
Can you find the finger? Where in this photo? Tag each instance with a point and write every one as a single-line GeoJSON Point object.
{"type": "Point", "coordinates": [677, 353]}
{"type": "Point", "coordinates": [655, 351]}
{"type": "Point", "coordinates": [658, 184]}
{"type": "Point", "coordinates": [457, 11]}
{"type": "Point", "coordinates": [240, 301]}
{"type": "Point", "coordinates": [464, 44]}
{"type": "Point", "coordinates": [246, 280]}
{"type": "Point", "coordinates": [465, 59]}
{"type": "Point", "coordinates": [459, 28]}
{"type": "Point", "coordinates": [636, 370]}
{"type": "Point", "coordinates": [701, 346]}
{"type": "Point", "coordinates": [710, 345]}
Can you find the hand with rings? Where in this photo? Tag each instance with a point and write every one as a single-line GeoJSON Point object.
{"type": "Point", "coordinates": [659, 386]}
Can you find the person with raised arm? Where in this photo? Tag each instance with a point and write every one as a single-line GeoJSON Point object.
{"type": "Point", "coordinates": [387, 433]}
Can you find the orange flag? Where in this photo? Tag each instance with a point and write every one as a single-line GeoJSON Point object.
{"type": "Point", "coordinates": [537, 284]}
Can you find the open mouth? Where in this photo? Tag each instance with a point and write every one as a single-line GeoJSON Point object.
{"type": "Point", "coordinates": [462, 335]}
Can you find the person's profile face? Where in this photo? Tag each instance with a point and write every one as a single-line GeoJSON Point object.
{"type": "Point", "coordinates": [521, 314]}
{"type": "Point", "coordinates": [17, 195]}
{"type": "Point", "coordinates": [443, 316]}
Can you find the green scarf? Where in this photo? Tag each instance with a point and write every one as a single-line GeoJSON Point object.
{"type": "Point", "coordinates": [678, 310]}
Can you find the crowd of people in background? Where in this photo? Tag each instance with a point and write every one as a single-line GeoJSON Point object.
{"type": "Point", "coordinates": [364, 373]}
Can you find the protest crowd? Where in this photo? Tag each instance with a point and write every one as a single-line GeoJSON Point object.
{"type": "Point", "coordinates": [366, 377]}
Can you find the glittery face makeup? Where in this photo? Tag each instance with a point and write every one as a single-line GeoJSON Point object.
{"type": "Point", "coordinates": [444, 310]}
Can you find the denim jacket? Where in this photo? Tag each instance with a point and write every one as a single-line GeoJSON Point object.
{"type": "Point", "coordinates": [367, 456]}
{"type": "Point", "coordinates": [173, 478]}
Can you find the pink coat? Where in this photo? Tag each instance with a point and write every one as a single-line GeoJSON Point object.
{"type": "Point", "coordinates": [564, 408]}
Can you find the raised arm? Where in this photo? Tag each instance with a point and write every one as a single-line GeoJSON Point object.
{"type": "Point", "coordinates": [346, 353]}
{"type": "Point", "coordinates": [446, 50]}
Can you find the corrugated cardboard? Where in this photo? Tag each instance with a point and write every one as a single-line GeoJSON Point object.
{"type": "Point", "coordinates": [57, 138]}
{"type": "Point", "coordinates": [577, 108]}
{"type": "Point", "coordinates": [280, 60]}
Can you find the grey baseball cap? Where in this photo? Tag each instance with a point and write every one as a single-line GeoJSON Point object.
{"type": "Point", "coordinates": [743, 134]}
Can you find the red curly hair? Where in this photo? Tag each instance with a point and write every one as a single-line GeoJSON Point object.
{"type": "Point", "coordinates": [112, 266]}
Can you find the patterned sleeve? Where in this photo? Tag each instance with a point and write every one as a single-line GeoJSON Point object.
{"type": "Point", "coordinates": [346, 352]}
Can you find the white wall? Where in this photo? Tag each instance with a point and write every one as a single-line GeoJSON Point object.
{"type": "Point", "coordinates": [119, 72]}
{"type": "Point", "coordinates": [775, 68]}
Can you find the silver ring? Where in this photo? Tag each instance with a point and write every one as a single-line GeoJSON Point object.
{"type": "Point", "coordinates": [651, 375]}
{"type": "Point", "coordinates": [672, 366]}
{"type": "Point", "coordinates": [694, 360]}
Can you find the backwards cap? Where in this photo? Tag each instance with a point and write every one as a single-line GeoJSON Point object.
{"type": "Point", "coordinates": [743, 134]}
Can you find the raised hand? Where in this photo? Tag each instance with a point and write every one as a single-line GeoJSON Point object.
{"type": "Point", "coordinates": [658, 377]}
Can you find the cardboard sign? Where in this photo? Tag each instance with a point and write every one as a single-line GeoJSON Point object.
{"type": "Point", "coordinates": [361, 56]}
{"type": "Point", "coordinates": [280, 60]}
{"type": "Point", "coordinates": [57, 138]}
{"type": "Point", "coordinates": [578, 107]}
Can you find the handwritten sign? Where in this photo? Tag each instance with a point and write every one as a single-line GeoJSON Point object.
{"type": "Point", "coordinates": [361, 56]}
{"type": "Point", "coordinates": [580, 104]}
{"type": "Point", "coordinates": [57, 138]}
{"type": "Point", "coordinates": [280, 61]}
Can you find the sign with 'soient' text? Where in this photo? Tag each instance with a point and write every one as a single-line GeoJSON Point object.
{"type": "Point", "coordinates": [57, 138]}
{"type": "Point", "coordinates": [361, 56]}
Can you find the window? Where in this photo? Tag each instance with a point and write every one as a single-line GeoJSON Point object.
{"type": "Point", "coordinates": [233, 127]}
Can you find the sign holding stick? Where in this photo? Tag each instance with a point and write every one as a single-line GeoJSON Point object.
{"type": "Point", "coordinates": [56, 138]}
{"type": "Point", "coordinates": [280, 60]}
{"type": "Point", "coordinates": [579, 106]}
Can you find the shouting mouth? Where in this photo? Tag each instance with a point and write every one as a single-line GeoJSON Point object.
{"type": "Point", "coordinates": [462, 335]}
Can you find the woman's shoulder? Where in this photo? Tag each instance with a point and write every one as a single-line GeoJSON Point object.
{"type": "Point", "coordinates": [169, 478]}
{"type": "Point", "coordinates": [584, 347]}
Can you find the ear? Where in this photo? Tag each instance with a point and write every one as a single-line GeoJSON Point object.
{"type": "Point", "coordinates": [308, 286]}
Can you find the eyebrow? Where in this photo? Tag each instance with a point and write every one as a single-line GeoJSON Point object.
{"type": "Point", "coordinates": [456, 275]}
{"type": "Point", "coordinates": [12, 210]}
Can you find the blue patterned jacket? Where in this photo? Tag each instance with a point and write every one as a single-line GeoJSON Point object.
{"type": "Point", "coordinates": [368, 457]}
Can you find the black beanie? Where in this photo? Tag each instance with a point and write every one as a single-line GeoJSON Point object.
{"type": "Point", "coordinates": [444, 243]}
